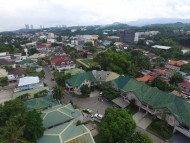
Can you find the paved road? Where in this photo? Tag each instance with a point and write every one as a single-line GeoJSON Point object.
{"type": "Point", "coordinates": [48, 77]}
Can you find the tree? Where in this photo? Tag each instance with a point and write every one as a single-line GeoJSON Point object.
{"type": "Point", "coordinates": [185, 68]}
{"type": "Point", "coordinates": [4, 81]}
{"type": "Point", "coordinates": [57, 93]}
{"type": "Point", "coordinates": [60, 77]}
{"type": "Point", "coordinates": [13, 131]}
{"type": "Point", "coordinates": [139, 137]}
{"type": "Point", "coordinates": [162, 85]}
{"type": "Point", "coordinates": [33, 51]}
{"type": "Point", "coordinates": [8, 68]}
{"type": "Point", "coordinates": [117, 126]}
{"type": "Point", "coordinates": [85, 90]}
{"type": "Point", "coordinates": [17, 125]}
{"type": "Point", "coordinates": [33, 126]}
{"type": "Point", "coordinates": [176, 78]}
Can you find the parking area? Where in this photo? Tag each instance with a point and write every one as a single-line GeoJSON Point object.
{"type": "Point", "coordinates": [5, 95]}
{"type": "Point", "coordinates": [142, 120]}
{"type": "Point", "coordinates": [95, 103]}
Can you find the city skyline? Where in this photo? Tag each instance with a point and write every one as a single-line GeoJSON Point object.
{"type": "Point", "coordinates": [82, 12]}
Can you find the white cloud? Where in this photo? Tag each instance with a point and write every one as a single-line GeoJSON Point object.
{"type": "Point", "coordinates": [16, 13]}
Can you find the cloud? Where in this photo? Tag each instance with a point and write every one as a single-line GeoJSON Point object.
{"type": "Point", "coordinates": [14, 14]}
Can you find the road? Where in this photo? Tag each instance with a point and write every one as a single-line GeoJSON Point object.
{"type": "Point", "coordinates": [48, 77]}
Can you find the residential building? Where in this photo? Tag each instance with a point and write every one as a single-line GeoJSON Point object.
{"type": "Point", "coordinates": [127, 36]}
{"type": "Point", "coordinates": [5, 55]}
{"type": "Point", "coordinates": [155, 102]}
{"type": "Point", "coordinates": [61, 63]}
{"type": "Point", "coordinates": [114, 38]}
{"type": "Point", "coordinates": [51, 36]}
{"type": "Point", "coordinates": [7, 62]}
{"type": "Point", "coordinates": [185, 86]}
{"type": "Point", "coordinates": [16, 74]}
{"type": "Point", "coordinates": [28, 83]}
{"type": "Point", "coordinates": [161, 47]}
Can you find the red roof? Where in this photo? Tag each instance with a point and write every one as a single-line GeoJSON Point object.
{"type": "Point", "coordinates": [60, 59]}
{"type": "Point", "coordinates": [40, 46]}
{"type": "Point", "coordinates": [185, 84]}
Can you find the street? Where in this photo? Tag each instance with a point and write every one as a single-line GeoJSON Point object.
{"type": "Point", "coordinates": [48, 78]}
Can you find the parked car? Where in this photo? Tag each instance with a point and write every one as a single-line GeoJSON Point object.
{"type": "Point", "coordinates": [101, 93]}
{"type": "Point", "coordinates": [98, 116]}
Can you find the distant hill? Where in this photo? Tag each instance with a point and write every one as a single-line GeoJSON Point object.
{"type": "Point", "coordinates": [143, 22]}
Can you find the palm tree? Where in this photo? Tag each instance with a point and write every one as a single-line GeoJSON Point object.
{"type": "Point", "coordinates": [13, 131]}
{"type": "Point", "coordinates": [57, 93]}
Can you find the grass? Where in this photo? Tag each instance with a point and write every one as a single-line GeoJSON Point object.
{"type": "Point", "coordinates": [89, 62]}
{"type": "Point", "coordinates": [34, 73]}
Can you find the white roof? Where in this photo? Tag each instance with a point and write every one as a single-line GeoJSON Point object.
{"type": "Point", "coordinates": [161, 47]}
{"type": "Point", "coordinates": [28, 80]}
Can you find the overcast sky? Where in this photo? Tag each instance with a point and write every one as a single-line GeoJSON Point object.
{"type": "Point", "coordinates": [14, 14]}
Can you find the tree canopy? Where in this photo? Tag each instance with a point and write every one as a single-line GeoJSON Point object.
{"type": "Point", "coordinates": [117, 126]}
{"type": "Point", "coordinates": [19, 125]}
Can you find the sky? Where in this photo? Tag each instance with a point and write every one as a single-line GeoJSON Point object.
{"type": "Point", "coordinates": [14, 14]}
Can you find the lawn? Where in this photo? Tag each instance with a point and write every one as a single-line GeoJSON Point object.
{"type": "Point", "coordinates": [89, 62]}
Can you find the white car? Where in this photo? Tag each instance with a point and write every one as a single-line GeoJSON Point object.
{"type": "Point", "coordinates": [98, 116]}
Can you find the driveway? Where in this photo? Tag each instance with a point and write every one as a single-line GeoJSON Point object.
{"type": "Point", "coordinates": [5, 95]}
{"type": "Point", "coordinates": [48, 77]}
{"type": "Point", "coordinates": [142, 120]}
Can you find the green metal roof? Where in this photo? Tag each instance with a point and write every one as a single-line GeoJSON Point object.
{"type": "Point", "coordinates": [78, 79]}
{"type": "Point", "coordinates": [120, 82]}
{"type": "Point", "coordinates": [59, 114]}
{"type": "Point", "coordinates": [26, 61]}
{"type": "Point", "coordinates": [159, 99]}
{"type": "Point", "coordinates": [67, 133]}
{"type": "Point", "coordinates": [40, 103]}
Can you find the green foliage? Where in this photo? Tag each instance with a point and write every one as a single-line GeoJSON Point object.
{"type": "Point", "coordinates": [167, 42]}
{"type": "Point", "coordinates": [4, 81]}
{"type": "Point", "coordinates": [33, 51]}
{"type": "Point", "coordinates": [139, 137]}
{"type": "Point", "coordinates": [33, 126]}
{"type": "Point", "coordinates": [41, 93]}
{"type": "Point", "coordinates": [19, 125]}
{"type": "Point", "coordinates": [78, 123]}
{"type": "Point", "coordinates": [24, 96]}
{"type": "Point", "coordinates": [176, 78]}
{"type": "Point", "coordinates": [116, 126]}
{"type": "Point", "coordinates": [6, 48]}
{"type": "Point", "coordinates": [185, 68]}
{"type": "Point", "coordinates": [128, 62]}
{"type": "Point", "coordinates": [85, 90]}
{"type": "Point", "coordinates": [57, 93]}
{"type": "Point", "coordinates": [40, 62]}
{"type": "Point", "coordinates": [8, 68]}
{"type": "Point", "coordinates": [161, 127]}
{"type": "Point", "coordinates": [60, 77]}
{"type": "Point", "coordinates": [157, 82]}
{"type": "Point", "coordinates": [30, 72]}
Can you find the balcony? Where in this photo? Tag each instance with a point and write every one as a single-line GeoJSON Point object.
{"type": "Point", "coordinates": [182, 130]}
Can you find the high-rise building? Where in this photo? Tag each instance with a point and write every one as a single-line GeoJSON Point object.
{"type": "Point", "coordinates": [127, 36]}
{"type": "Point", "coordinates": [26, 26]}
{"type": "Point", "coordinates": [31, 27]}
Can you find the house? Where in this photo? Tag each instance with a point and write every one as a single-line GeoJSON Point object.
{"type": "Point", "coordinates": [61, 63]}
{"type": "Point", "coordinates": [5, 55]}
{"type": "Point", "coordinates": [146, 78]}
{"type": "Point", "coordinates": [176, 63]}
{"type": "Point", "coordinates": [28, 83]}
{"type": "Point", "coordinates": [41, 48]}
{"type": "Point", "coordinates": [77, 81]}
{"type": "Point", "coordinates": [7, 62]}
{"type": "Point", "coordinates": [161, 47]}
{"type": "Point", "coordinates": [185, 86]}
{"type": "Point", "coordinates": [41, 103]}
{"type": "Point", "coordinates": [173, 68]}
{"type": "Point", "coordinates": [60, 123]}
{"type": "Point", "coordinates": [156, 102]}
{"type": "Point", "coordinates": [28, 63]}
{"type": "Point", "coordinates": [16, 73]}
{"type": "Point", "coordinates": [37, 56]}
